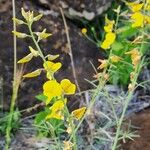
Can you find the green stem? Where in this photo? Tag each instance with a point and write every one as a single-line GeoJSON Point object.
{"type": "Point", "coordinates": [10, 117]}
{"type": "Point", "coordinates": [15, 86]}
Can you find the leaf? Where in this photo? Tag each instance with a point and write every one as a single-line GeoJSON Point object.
{"type": "Point", "coordinates": [41, 97]}
{"type": "Point", "coordinates": [117, 46]}
{"type": "Point", "coordinates": [40, 117]}
{"type": "Point", "coordinates": [68, 87]}
{"type": "Point", "coordinates": [127, 31]}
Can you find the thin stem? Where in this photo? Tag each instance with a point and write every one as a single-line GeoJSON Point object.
{"type": "Point", "coordinates": [15, 84]}
{"type": "Point", "coordinates": [70, 51]}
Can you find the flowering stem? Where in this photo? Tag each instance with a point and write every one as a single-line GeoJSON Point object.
{"type": "Point", "coordinates": [128, 99]}
{"type": "Point", "coordinates": [39, 49]}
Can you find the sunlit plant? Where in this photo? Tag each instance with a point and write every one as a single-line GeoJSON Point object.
{"type": "Point", "coordinates": [56, 114]}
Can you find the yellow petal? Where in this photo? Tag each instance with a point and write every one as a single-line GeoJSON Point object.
{"type": "Point", "coordinates": [24, 14]}
{"type": "Point", "coordinates": [104, 63]}
{"type": "Point", "coordinates": [57, 109]}
{"type": "Point", "coordinates": [78, 113]}
{"type": "Point", "coordinates": [138, 19]}
{"type": "Point", "coordinates": [68, 87]}
{"type": "Point", "coordinates": [18, 21]}
{"type": "Point", "coordinates": [135, 6]}
{"type": "Point", "coordinates": [58, 105]}
{"type": "Point", "coordinates": [52, 89]}
{"type": "Point", "coordinates": [19, 34]}
{"type": "Point", "coordinates": [52, 57]}
{"type": "Point", "coordinates": [57, 115]}
{"type": "Point", "coordinates": [53, 67]}
{"type": "Point", "coordinates": [25, 59]}
{"type": "Point", "coordinates": [68, 145]}
{"type": "Point", "coordinates": [109, 40]}
{"type": "Point", "coordinates": [43, 34]}
{"type": "Point", "coordinates": [33, 51]}
{"type": "Point", "coordinates": [33, 74]}
{"type": "Point", "coordinates": [37, 17]}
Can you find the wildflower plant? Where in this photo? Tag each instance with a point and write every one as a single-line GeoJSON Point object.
{"type": "Point", "coordinates": [125, 43]}
{"type": "Point", "coordinates": [56, 116]}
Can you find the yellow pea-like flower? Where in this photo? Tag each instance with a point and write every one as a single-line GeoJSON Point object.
{"type": "Point", "coordinates": [18, 21]}
{"type": "Point", "coordinates": [135, 6]}
{"type": "Point", "coordinates": [33, 74]}
{"type": "Point", "coordinates": [138, 19]}
{"type": "Point", "coordinates": [33, 51]}
{"type": "Point", "coordinates": [43, 34]}
{"type": "Point", "coordinates": [135, 56]}
{"type": "Point", "coordinates": [104, 63]}
{"type": "Point", "coordinates": [53, 67]}
{"type": "Point", "coordinates": [52, 89]}
{"type": "Point", "coordinates": [25, 59]}
{"type": "Point", "coordinates": [57, 110]}
{"type": "Point", "coordinates": [109, 25]}
{"type": "Point", "coordinates": [109, 40]}
{"type": "Point", "coordinates": [58, 105]}
{"type": "Point", "coordinates": [19, 34]}
{"type": "Point", "coordinates": [78, 113]}
{"type": "Point", "coordinates": [68, 145]}
{"type": "Point", "coordinates": [68, 87]}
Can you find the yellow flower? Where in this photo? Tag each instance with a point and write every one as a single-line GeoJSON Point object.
{"type": "Point", "coordinates": [84, 31]}
{"type": "Point", "coordinates": [43, 34]}
{"type": "Point", "coordinates": [68, 87]}
{"type": "Point", "coordinates": [135, 6]}
{"type": "Point", "coordinates": [53, 67]}
{"type": "Point", "coordinates": [38, 17]}
{"type": "Point", "coordinates": [104, 63]}
{"type": "Point", "coordinates": [109, 25]}
{"type": "Point", "coordinates": [52, 57]}
{"type": "Point", "coordinates": [33, 74]}
{"type": "Point", "coordinates": [138, 19]}
{"type": "Point", "coordinates": [109, 40]}
{"type": "Point", "coordinates": [18, 21]}
{"type": "Point", "coordinates": [115, 58]}
{"type": "Point", "coordinates": [78, 113]}
{"type": "Point", "coordinates": [28, 16]}
{"type": "Point", "coordinates": [25, 59]}
{"type": "Point", "coordinates": [33, 51]}
{"type": "Point", "coordinates": [146, 19]}
{"type": "Point", "coordinates": [68, 145]}
{"type": "Point", "coordinates": [69, 129]}
{"type": "Point", "coordinates": [135, 56]}
{"type": "Point", "coordinates": [19, 34]}
{"type": "Point", "coordinates": [52, 89]}
{"type": "Point", "coordinates": [57, 110]}
{"type": "Point", "coordinates": [130, 87]}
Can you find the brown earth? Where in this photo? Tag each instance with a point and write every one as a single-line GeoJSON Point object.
{"type": "Point", "coordinates": [142, 122]}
